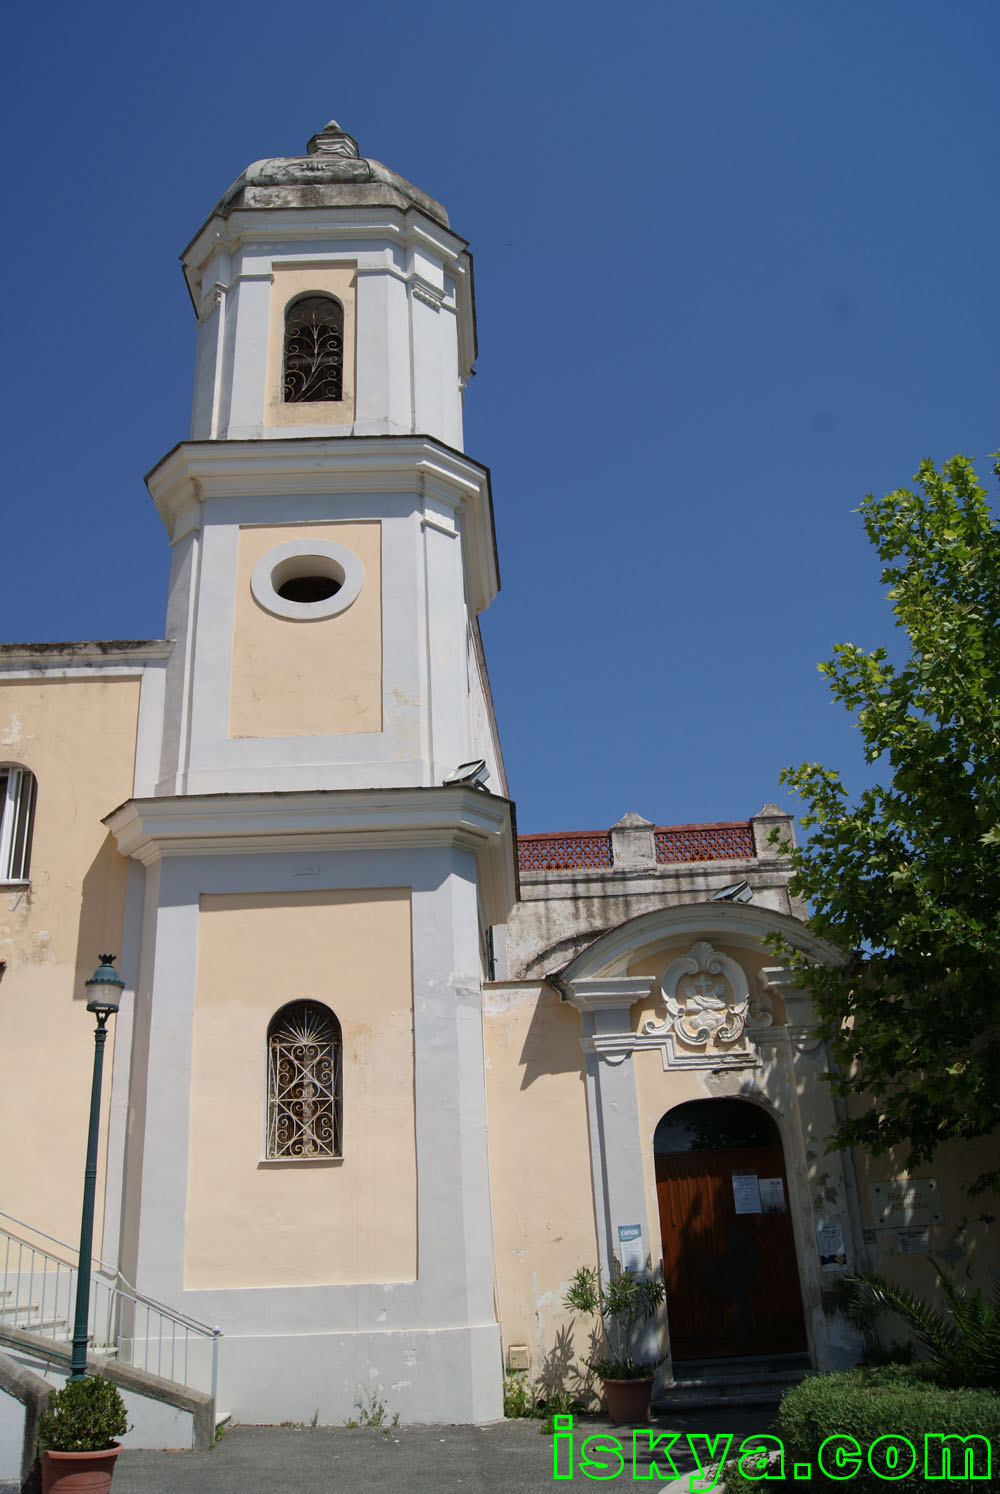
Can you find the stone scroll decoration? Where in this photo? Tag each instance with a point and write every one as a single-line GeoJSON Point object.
{"type": "Point", "coordinates": [712, 1016]}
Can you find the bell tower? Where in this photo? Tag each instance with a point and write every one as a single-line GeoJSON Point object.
{"type": "Point", "coordinates": [332, 546]}
{"type": "Point", "coordinates": [330, 225]}
{"type": "Point", "coordinates": [318, 879]}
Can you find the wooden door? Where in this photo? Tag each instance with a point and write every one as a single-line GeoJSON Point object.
{"type": "Point", "coordinates": [731, 1276]}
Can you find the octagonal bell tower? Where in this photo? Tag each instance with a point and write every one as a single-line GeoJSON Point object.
{"type": "Point", "coordinates": [311, 861]}
{"type": "Point", "coordinates": [332, 546]}
{"type": "Point", "coordinates": [330, 225]}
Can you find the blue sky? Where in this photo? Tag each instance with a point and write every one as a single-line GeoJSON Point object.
{"type": "Point", "coordinates": [735, 266]}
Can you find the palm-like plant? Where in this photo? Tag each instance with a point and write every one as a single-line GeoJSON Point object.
{"type": "Point", "coordinates": [963, 1343]}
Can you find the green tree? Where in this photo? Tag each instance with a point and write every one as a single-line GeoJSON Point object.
{"type": "Point", "coordinates": [906, 882]}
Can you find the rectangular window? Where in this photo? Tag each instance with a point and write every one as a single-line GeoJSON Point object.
{"type": "Point", "coordinates": [17, 813]}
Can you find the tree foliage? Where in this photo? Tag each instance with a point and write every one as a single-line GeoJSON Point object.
{"type": "Point", "coordinates": [906, 882]}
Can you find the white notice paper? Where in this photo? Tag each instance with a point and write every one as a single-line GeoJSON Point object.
{"type": "Point", "coordinates": [772, 1196]}
{"type": "Point", "coordinates": [832, 1255]}
{"type": "Point", "coordinates": [746, 1193]}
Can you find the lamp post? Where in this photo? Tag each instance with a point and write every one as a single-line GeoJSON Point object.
{"type": "Point", "coordinates": [104, 989]}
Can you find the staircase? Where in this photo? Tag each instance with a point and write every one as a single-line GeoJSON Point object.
{"type": "Point", "coordinates": [140, 1344]}
{"type": "Point", "coordinates": [27, 1315]}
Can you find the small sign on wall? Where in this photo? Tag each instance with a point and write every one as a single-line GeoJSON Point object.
{"type": "Point", "coordinates": [913, 1242]}
{"type": "Point", "coordinates": [630, 1249]}
{"type": "Point", "coordinates": [908, 1203]}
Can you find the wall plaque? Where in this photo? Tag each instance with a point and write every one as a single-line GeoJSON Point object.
{"type": "Point", "coordinates": [911, 1203]}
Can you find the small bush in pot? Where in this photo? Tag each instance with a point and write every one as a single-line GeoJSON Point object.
{"type": "Point", "coordinates": [78, 1433]}
{"type": "Point", "coordinates": [623, 1304]}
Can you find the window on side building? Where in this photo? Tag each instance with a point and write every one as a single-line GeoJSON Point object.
{"type": "Point", "coordinates": [18, 790]}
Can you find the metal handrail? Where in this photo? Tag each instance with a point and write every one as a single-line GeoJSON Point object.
{"type": "Point", "coordinates": [44, 1286]}
{"type": "Point", "coordinates": [97, 1264]}
{"type": "Point", "coordinates": [70, 1249]}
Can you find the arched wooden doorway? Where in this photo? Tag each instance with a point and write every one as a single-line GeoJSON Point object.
{"type": "Point", "coordinates": [728, 1250]}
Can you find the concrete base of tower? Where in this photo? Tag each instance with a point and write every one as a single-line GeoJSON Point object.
{"type": "Point", "coordinates": [432, 1375]}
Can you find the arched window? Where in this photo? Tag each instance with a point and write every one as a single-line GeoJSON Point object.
{"type": "Point", "coordinates": [303, 1082]}
{"type": "Point", "coordinates": [314, 350]}
{"type": "Point", "coordinates": [17, 818]}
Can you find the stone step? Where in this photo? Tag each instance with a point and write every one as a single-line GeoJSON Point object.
{"type": "Point", "coordinates": [714, 1384]}
{"type": "Point", "coordinates": [719, 1399]}
{"type": "Point", "coordinates": [29, 1313]}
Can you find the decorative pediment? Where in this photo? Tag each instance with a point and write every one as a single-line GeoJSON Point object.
{"type": "Point", "coordinates": [711, 1014]}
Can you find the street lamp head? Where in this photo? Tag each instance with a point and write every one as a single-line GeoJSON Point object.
{"type": "Point", "coordinates": [105, 987]}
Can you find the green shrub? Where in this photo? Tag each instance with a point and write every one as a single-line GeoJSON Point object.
{"type": "Point", "coordinates": [85, 1416]}
{"type": "Point", "coordinates": [903, 1401]}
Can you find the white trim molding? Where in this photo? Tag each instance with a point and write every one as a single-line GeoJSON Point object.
{"type": "Point", "coordinates": [151, 830]}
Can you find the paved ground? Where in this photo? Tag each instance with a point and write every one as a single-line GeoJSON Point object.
{"type": "Point", "coordinates": [510, 1457]}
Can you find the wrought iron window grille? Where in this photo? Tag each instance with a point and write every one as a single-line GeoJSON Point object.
{"type": "Point", "coordinates": [304, 1107]}
{"type": "Point", "coordinates": [314, 350]}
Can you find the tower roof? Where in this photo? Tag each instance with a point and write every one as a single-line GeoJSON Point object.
{"type": "Point", "coordinates": [330, 174]}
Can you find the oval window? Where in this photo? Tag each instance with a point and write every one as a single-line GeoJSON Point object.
{"type": "Point", "coordinates": [305, 580]}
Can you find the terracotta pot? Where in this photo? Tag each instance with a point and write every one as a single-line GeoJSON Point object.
{"type": "Point", "coordinates": [79, 1472]}
{"type": "Point", "coordinates": [628, 1400]}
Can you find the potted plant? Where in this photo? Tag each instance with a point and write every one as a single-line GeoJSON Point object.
{"type": "Point", "coordinates": [77, 1436]}
{"type": "Point", "coordinates": [624, 1304]}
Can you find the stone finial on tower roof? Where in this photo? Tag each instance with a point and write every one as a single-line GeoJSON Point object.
{"type": "Point", "coordinates": [332, 141]}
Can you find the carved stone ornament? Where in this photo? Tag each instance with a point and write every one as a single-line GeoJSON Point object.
{"type": "Point", "coordinates": [711, 1015]}
{"type": "Point", "coordinates": [333, 141]}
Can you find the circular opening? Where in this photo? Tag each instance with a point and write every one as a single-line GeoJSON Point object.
{"type": "Point", "coordinates": [308, 588]}
{"type": "Point", "coordinates": [306, 580]}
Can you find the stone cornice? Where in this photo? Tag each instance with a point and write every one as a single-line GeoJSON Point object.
{"type": "Point", "coordinates": [371, 215]}
{"type": "Point", "coordinates": [606, 993]}
{"type": "Point", "coordinates": [196, 470]}
{"type": "Point", "coordinates": [93, 655]}
{"type": "Point", "coordinates": [150, 830]}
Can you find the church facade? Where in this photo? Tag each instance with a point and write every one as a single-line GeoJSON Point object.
{"type": "Point", "coordinates": [384, 1073]}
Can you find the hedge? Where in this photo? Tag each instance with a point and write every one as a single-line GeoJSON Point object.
{"type": "Point", "coordinates": [883, 1410]}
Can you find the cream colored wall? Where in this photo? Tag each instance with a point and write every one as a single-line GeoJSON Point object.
{"type": "Point", "coordinates": [321, 677]}
{"type": "Point", "coordinates": [78, 738]}
{"type": "Point", "coordinates": [253, 1223]}
{"type": "Point", "coordinates": [540, 1172]}
{"type": "Point", "coordinates": [289, 281]}
{"type": "Point", "coordinates": [965, 1242]}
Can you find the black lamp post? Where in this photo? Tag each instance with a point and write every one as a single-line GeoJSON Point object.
{"type": "Point", "coordinates": [105, 991]}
